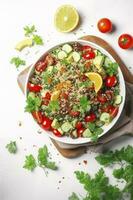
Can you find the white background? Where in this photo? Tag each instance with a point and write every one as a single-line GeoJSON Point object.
{"type": "Point", "coordinates": [15, 182]}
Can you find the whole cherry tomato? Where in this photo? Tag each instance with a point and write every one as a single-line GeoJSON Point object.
{"type": "Point", "coordinates": [46, 123]}
{"type": "Point", "coordinates": [80, 131]}
{"type": "Point", "coordinates": [41, 66]}
{"type": "Point", "coordinates": [111, 81]}
{"type": "Point", "coordinates": [104, 25]}
{"type": "Point", "coordinates": [56, 132]}
{"type": "Point", "coordinates": [74, 113]}
{"type": "Point", "coordinates": [33, 88]}
{"type": "Point", "coordinates": [125, 41]}
{"type": "Point", "coordinates": [78, 125]}
{"type": "Point", "coordinates": [37, 116]}
{"type": "Point", "coordinates": [88, 55]}
{"type": "Point", "coordinates": [101, 98]}
{"type": "Point", "coordinates": [90, 118]}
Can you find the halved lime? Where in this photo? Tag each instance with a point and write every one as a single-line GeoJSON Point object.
{"type": "Point", "coordinates": [66, 18]}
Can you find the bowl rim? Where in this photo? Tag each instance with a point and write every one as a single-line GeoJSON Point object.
{"type": "Point", "coordinates": [80, 141]}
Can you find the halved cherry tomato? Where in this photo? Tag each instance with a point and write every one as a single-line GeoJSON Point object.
{"type": "Point", "coordinates": [64, 95]}
{"type": "Point", "coordinates": [45, 101]}
{"type": "Point", "coordinates": [101, 98]}
{"type": "Point", "coordinates": [46, 123]}
{"type": "Point", "coordinates": [74, 113]}
{"type": "Point", "coordinates": [88, 55]}
{"type": "Point", "coordinates": [80, 131]}
{"type": "Point", "coordinates": [86, 48]}
{"type": "Point", "coordinates": [41, 66]}
{"type": "Point", "coordinates": [104, 25]}
{"type": "Point", "coordinates": [111, 81]}
{"type": "Point", "coordinates": [33, 88]}
{"type": "Point", "coordinates": [113, 111]}
{"type": "Point", "coordinates": [37, 116]}
{"type": "Point", "coordinates": [78, 125]}
{"type": "Point", "coordinates": [90, 118]}
{"type": "Point", "coordinates": [84, 77]}
{"type": "Point", "coordinates": [56, 132]}
{"type": "Point", "coordinates": [125, 41]}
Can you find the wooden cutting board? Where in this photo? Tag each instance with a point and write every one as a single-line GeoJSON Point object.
{"type": "Point", "coordinates": [71, 153]}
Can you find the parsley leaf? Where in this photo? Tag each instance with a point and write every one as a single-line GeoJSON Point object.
{"type": "Point", "coordinates": [96, 131]}
{"type": "Point", "coordinates": [43, 159]}
{"type": "Point", "coordinates": [37, 40]}
{"type": "Point", "coordinates": [73, 197]}
{"type": "Point", "coordinates": [29, 30]}
{"type": "Point", "coordinates": [30, 163]}
{"type": "Point", "coordinates": [17, 61]}
{"type": "Point", "coordinates": [112, 69]}
{"type": "Point", "coordinates": [98, 187]}
{"type": "Point", "coordinates": [33, 104]}
{"type": "Point", "coordinates": [12, 147]}
{"type": "Point", "coordinates": [84, 103]}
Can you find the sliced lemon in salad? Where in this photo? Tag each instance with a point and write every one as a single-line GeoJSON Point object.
{"type": "Point", "coordinates": [66, 18]}
{"type": "Point", "coordinates": [96, 79]}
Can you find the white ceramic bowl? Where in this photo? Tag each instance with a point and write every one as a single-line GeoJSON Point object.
{"type": "Point", "coordinates": [106, 128]}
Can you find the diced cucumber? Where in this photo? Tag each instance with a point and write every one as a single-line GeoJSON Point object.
{"type": "Point", "coordinates": [66, 127]}
{"type": "Point", "coordinates": [118, 99]}
{"type": "Point", "coordinates": [87, 133]}
{"type": "Point", "coordinates": [62, 55]}
{"type": "Point", "coordinates": [61, 131]}
{"type": "Point", "coordinates": [24, 43]}
{"type": "Point", "coordinates": [98, 61]}
{"type": "Point", "coordinates": [74, 122]}
{"type": "Point", "coordinates": [105, 117]}
{"type": "Point", "coordinates": [55, 124]}
{"type": "Point", "coordinates": [76, 56]}
{"type": "Point", "coordinates": [99, 123]}
{"type": "Point", "coordinates": [70, 58]}
{"type": "Point", "coordinates": [67, 48]}
{"type": "Point", "coordinates": [31, 94]}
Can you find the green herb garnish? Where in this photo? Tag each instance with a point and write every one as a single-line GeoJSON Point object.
{"type": "Point", "coordinates": [112, 69]}
{"type": "Point", "coordinates": [33, 104]}
{"type": "Point", "coordinates": [29, 30]}
{"type": "Point", "coordinates": [12, 147]}
{"type": "Point", "coordinates": [17, 61]}
{"type": "Point", "coordinates": [84, 103]}
{"type": "Point", "coordinates": [37, 40]}
{"type": "Point", "coordinates": [43, 159]}
{"type": "Point", "coordinates": [54, 105]}
{"type": "Point", "coordinates": [30, 163]}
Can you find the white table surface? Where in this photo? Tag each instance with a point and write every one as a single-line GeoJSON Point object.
{"type": "Point", "coordinates": [15, 182]}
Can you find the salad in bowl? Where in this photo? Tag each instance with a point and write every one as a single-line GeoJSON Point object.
{"type": "Point", "coordinates": [75, 92]}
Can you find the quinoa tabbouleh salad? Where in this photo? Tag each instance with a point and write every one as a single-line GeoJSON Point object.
{"type": "Point", "coordinates": [74, 91]}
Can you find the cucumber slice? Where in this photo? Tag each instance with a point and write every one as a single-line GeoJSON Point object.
{"type": "Point", "coordinates": [118, 99]}
{"type": "Point", "coordinates": [67, 48]}
{"type": "Point", "coordinates": [62, 55]}
{"type": "Point", "coordinates": [76, 56]}
{"type": "Point", "coordinates": [87, 133]}
{"type": "Point", "coordinates": [66, 127]}
{"type": "Point", "coordinates": [105, 117]}
{"type": "Point", "coordinates": [24, 43]}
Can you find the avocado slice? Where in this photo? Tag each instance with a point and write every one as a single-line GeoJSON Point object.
{"type": "Point", "coordinates": [66, 127]}
{"type": "Point", "coordinates": [98, 61]}
{"type": "Point", "coordinates": [55, 124]}
{"type": "Point", "coordinates": [87, 133]}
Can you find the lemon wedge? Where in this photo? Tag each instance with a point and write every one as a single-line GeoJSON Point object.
{"type": "Point", "coordinates": [96, 79]}
{"type": "Point", "coordinates": [66, 18]}
{"type": "Point", "coordinates": [24, 43]}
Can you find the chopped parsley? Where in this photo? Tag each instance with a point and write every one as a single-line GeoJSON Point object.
{"type": "Point", "coordinates": [112, 69]}
{"type": "Point", "coordinates": [12, 147]}
{"type": "Point", "coordinates": [54, 105]}
{"type": "Point", "coordinates": [84, 103]}
{"type": "Point", "coordinates": [17, 61]}
{"type": "Point", "coordinates": [96, 131]}
{"type": "Point", "coordinates": [37, 40]}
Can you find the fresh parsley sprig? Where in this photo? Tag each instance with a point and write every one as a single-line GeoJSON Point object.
{"type": "Point", "coordinates": [33, 104]}
{"type": "Point", "coordinates": [17, 61]}
{"type": "Point", "coordinates": [30, 162]}
{"type": "Point", "coordinates": [12, 147]}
